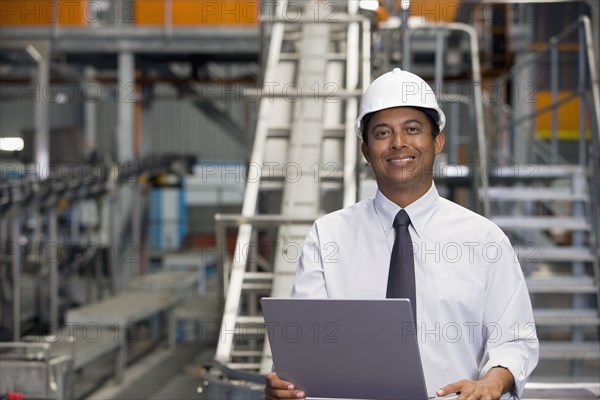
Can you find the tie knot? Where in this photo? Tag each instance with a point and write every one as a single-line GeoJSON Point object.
{"type": "Point", "coordinates": [402, 219]}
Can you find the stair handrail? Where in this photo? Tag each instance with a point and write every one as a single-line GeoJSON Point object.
{"type": "Point", "coordinates": [594, 151]}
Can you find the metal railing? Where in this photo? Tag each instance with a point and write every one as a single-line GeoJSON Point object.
{"type": "Point", "coordinates": [224, 221]}
{"type": "Point", "coordinates": [511, 134]}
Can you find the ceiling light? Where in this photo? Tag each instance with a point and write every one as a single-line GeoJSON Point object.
{"type": "Point", "coordinates": [11, 144]}
{"type": "Point", "coordinates": [371, 5]}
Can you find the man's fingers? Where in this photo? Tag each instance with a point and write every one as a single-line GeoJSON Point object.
{"type": "Point", "coordinates": [277, 388]}
{"type": "Point", "coordinates": [276, 383]}
{"type": "Point", "coordinates": [285, 394]}
{"type": "Point", "coordinates": [451, 388]}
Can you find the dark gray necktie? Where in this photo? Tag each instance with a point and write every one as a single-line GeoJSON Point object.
{"type": "Point", "coordinates": [401, 278]}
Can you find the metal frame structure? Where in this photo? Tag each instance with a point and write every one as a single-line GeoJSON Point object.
{"type": "Point", "coordinates": [574, 182]}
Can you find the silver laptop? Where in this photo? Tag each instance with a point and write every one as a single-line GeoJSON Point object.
{"type": "Point", "coordinates": [358, 349]}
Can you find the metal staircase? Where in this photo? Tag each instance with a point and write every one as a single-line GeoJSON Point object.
{"type": "Point", "coordinates": [550, 227]}
{"type": "Point", "coordinates": [546, 200]}
{"type": "Point", "coordinates": [305, 151]}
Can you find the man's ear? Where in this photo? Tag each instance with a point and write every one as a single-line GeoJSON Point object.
{"type": "Point", "coordinates": [365, 151]}
{"type": "Point", "coordinates": [438, 143]}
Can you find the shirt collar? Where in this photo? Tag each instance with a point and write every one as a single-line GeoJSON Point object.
{"type": "Point", "coordinates": [420, 211]}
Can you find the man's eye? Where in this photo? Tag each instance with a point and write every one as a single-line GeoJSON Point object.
{"type": "Point", "coordinates": [382, 132]}
{"type": "Point", "coordinates": [413, 129]}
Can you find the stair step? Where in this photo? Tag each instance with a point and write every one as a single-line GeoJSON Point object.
{"type": "Point", "coordinates": [258, 276]}
{"type": "Point", "coordinates": [257, 287]}
{"type": "Point", "coordinates": [570, 350]}
{"type": "Point", "coordinates": [537, 223]}
{"type": "Point", "coordinates": [276, 180]}
{"type": "Point", "coordinates": [563, 284]}
{"type": "Point", "coordinates": [327, 185]}
{"type": "Point", "coordinates": [246, 353]}
{"type": "Point", "coordinates": [250, 327]}
{"type": "Point", "coordinates": [271, 185]}
{"type": "Point", "coordinates": [334, 132]}
{"type": "Point", "coordinates": [250, 320]}
{"type": "Point", "coordinates": [554, 254]}
{"type": "Point", "coordinates": [528, 194]}
{"type": "Point", "coordinates": [535, 172]}
{"type": "Point", "coordinates": [243, 366]}
{"type": "Point", "coordinates": [278, 174]}
{"type": "Point", "coordinates": [329, 57]}
{"type": "Point", "coordinates": [566, 317]}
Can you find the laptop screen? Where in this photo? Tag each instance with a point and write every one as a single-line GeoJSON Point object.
{"type": "Point", "coordinates": [338, 348]}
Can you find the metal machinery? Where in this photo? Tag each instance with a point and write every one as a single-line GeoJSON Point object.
{"type": "Point", "coordinates": [33, 370]}
{"type": "Point", "coordinates": [101, 62]}
{"type": "Point", "coordinates": [52, 261]}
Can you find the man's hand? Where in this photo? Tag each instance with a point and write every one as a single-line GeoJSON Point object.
{"type": "Point", "coordinates": [496, 382]}
{"type": "Point", "coordinates": [279, 389]}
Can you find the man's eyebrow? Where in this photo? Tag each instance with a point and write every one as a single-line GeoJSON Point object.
{"type": "Point", "coordinates": [410, 121]}
{"type": "Point", "coordinates": [381, 124]}
{"type": "Point", "coordinates": [386, 125]}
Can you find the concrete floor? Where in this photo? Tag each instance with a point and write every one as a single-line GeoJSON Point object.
{"type": "Point", "coordinates": [174, 374]}
{"type": "Point", "coordinates": [163, 374]}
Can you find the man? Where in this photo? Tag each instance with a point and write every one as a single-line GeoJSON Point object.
{"type": "Point", "coordinates": [473, 313]}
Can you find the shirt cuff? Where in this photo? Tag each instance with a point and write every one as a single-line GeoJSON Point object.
{"type": "Point", "coordinates": [516, 368]}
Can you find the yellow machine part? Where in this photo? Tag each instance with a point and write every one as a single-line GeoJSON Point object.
{"type": "Point", "coordinates": [568, 117]}
{"type": "Point", "coordinates": [44, 12]}
{"type": "Point", "coordinates": [198, 12]}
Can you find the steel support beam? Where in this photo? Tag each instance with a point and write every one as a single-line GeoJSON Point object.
{"type": "Point", "coordinates": [42, 126]}
{"type": "Point", "coordinates": [125, 112]}
{"type": "Point", "coordinates": [90, 116]}
{"type": "Point", "coordinates": [53, 267]}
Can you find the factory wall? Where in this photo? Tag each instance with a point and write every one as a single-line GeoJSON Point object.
{"type": "Point", "coordinates": [169, 125]}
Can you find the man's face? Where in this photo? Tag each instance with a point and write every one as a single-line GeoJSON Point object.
{"type": "Point", "coordinates": [401, 150]}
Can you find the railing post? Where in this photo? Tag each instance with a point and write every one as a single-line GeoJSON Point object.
{"type": "Point", "coordinates": [581, 92]}
{"type": "Point", "coordinates": [168, 20]}
{"type": "Point", "coordinates": [405, 32]}
{"type": "Point", "coordinates": [554, 100]}
{"type": "Point", "coordinates": [16, 275]}
{"type": "Point", "coordinates": [54, 19]}
{"type": "Point", "coordinates": [221, 240]}
{"type": "Point", "coordinates": [53, 266]}
{"type": "Point", "coordinates": [439, 61]}
{"type": "Point", "coordinates": [454, 133]}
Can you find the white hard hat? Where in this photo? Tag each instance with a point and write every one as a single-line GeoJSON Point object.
{"type": "Point", "coordinates": [398, 89]}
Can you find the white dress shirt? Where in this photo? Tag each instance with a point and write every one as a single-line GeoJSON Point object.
{"type": "Point", "coordinates": [473, 308]}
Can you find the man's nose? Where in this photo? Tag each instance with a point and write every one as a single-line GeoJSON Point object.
{"type": "Point", "coordinates": [398, 140]}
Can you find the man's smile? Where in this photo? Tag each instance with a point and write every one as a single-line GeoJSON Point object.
{"type": "Point", "coordinates": [400, 161]}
